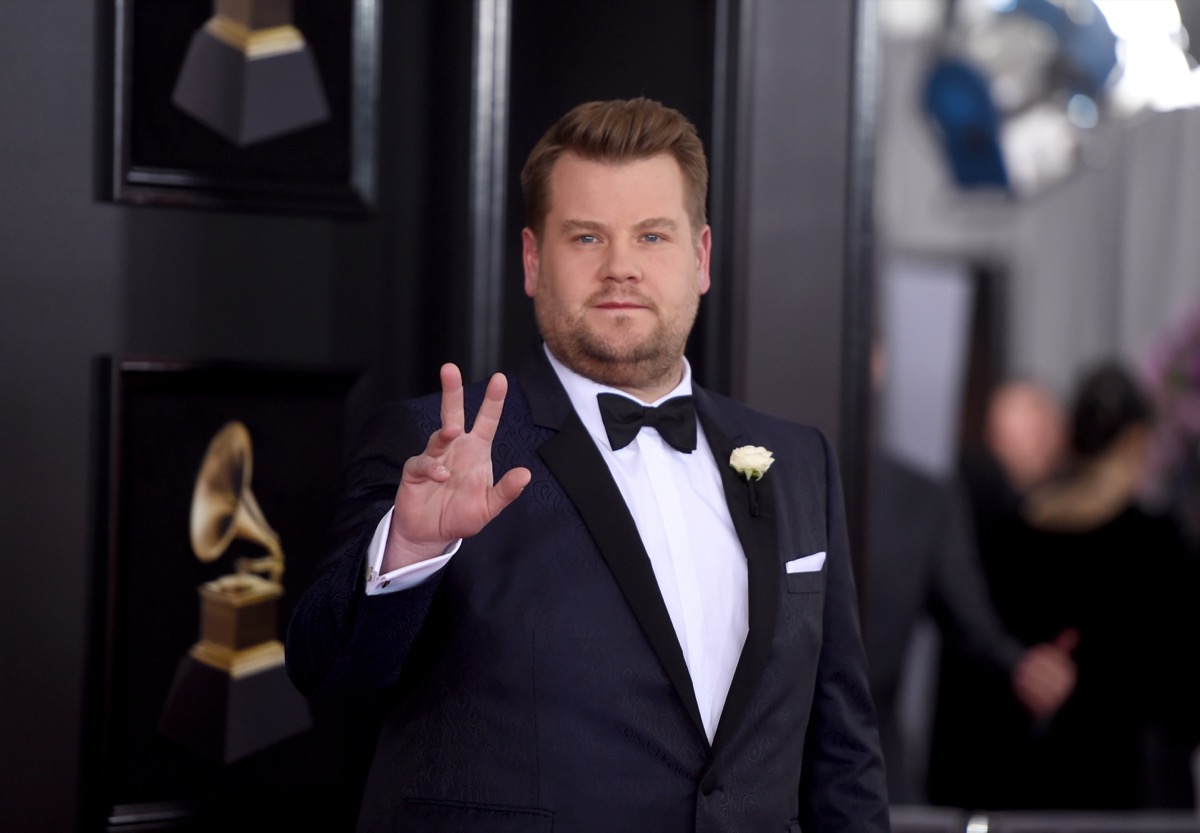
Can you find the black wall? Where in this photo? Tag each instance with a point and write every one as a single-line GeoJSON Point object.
{"type": "Point", "coordinates": [80, 277]}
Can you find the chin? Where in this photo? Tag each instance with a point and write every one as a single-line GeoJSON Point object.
{"type": "Point", "coordinates": [622, 350]}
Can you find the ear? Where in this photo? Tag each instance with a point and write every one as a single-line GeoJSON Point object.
{"type": "Point", "coordinates": [531, 257]}
{"type": "Point", "coordinates": [703, 257]}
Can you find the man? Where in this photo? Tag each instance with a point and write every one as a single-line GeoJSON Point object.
{"type": "Point", "coordinates": [621, 632]}
{"type": "Point", "coordinates": [1024, 443]}
{"type": "Point", "coordinates": [924, 563]}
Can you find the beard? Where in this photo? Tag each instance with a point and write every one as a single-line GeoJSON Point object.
{"type": "Point", "coordinates": [622, 356]}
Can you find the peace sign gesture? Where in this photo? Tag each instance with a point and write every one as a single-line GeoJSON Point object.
{"type": "Point", "coordinates": [446, 492]}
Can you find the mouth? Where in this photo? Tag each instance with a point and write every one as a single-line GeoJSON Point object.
{"type": "Point", "coordinates": [621, 304]}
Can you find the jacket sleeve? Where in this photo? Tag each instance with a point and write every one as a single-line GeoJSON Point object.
{"type": "Point", "coordinates": [842, 786]}
{"type": "Point", "coordinates": [342, 643]}
{"type": "Point", "coordinates": [961, 602]}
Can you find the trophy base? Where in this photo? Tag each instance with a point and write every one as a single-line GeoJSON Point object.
{"type": "Point", "coordinates": [223, 718]}
{"type": "Point", "coordinates": [246, 98]}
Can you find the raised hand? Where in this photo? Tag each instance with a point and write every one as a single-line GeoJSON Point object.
{"type": "Point", "coordinates": [446, 493]}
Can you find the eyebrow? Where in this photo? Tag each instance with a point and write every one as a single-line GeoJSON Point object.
{"type": "Point", "coordinates": [581, 225]}
{"type": "Point", "coordinates": [665, 223]}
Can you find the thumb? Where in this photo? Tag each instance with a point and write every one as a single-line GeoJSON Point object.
{"type": "Point", "coordinates": [510, 487]}
{"type": "Point", "coordinates": [1068, 640]}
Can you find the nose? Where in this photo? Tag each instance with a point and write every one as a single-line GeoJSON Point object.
{"type": "Point", "coordinates": [622, 263]}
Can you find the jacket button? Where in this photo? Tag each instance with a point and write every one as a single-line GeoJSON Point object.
{"type": "Point", "coordinates": [708, 786]}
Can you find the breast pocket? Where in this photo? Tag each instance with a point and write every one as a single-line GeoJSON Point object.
{"type": "Point", "coordinates": [813, 582]}
{"type": "Point", "coordinates": [802, 611]}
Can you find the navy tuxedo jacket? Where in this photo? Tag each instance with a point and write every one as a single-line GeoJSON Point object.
{"type": "Point", "coordinates": [536, 683]}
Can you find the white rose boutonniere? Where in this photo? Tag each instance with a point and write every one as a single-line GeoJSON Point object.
{"type": "Point", "coordinates": [751, 462]}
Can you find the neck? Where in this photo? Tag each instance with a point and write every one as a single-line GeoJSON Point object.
{"type": "Point", "coordinates": [652, 392]}
{"type": "Point", "coordinates": [644, 387]}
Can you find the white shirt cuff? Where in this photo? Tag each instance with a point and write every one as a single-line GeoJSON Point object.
{"type": "Point", "coordinates": [405, 577]}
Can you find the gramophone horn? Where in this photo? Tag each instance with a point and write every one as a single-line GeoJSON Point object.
{"type": "Point", "coordinates": [224, 508]}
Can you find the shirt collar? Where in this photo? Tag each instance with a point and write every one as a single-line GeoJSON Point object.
{"type": "Point", "coordinates": [582, 393]}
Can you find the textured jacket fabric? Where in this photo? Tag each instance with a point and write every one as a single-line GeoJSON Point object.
{"type": "Point", "coordinates": [536, 682]}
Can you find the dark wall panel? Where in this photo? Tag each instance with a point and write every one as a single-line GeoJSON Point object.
{"type": "Point", "coordinates": [794, 231]}
{"type": "Point", "coordinates": [80, 278]}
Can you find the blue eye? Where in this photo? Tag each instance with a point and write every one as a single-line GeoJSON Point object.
{"type": "Point", "coordinates": [651, 237]}
{"type": "Point", "coordinates": [586, 238]}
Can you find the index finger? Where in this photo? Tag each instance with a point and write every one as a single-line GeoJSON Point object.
{"type": "Point", "coordinates": [452, 395]}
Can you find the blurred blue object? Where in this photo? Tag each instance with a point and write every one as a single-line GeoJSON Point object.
{"type": "Point", "coordinates": [958, 100]}
{"type": "Point", "coordinates": [958, 89]}
{"type": "Point", "coordinates": [1086, 42]}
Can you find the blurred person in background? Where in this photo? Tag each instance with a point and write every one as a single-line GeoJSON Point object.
{"type": "Point", "coordinates": [924, 564]}
{"type": "Point", "coordinates": [1083, 566]}
{"type": "Point", "coordinates": [1119, 577]}
{"type": "Point", "coordinates": [979, 722]}
{"type": "Point", "coordinates": [1024, 444]}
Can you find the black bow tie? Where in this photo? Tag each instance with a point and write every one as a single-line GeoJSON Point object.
{"type": "Point", "coordinates": [674, 419]}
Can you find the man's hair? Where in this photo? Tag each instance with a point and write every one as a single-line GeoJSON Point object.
{"type": "Point", "coordinates": [617, 131]}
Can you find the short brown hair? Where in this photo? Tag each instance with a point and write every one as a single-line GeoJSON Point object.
{"type": "Point", "coordinates": [617, 131]}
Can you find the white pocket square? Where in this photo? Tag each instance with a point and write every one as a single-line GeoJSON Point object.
{"type": "Point", "coordinates": [807, 564]}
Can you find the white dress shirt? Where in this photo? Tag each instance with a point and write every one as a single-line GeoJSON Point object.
{"type": "Point", "coordinates": [678, 504]}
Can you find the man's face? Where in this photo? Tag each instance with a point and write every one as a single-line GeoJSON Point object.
{"type": "Point", "coordinates": [617, 277]}
{"type": "Point", "coordinates": [1026, 431]}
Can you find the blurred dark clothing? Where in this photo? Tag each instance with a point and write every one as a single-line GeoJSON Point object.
{"type": "Point", "coordinates": [993, 503]}
{"type": "Point", "coordinates": [923, 563]}
{"type": "Point", "coordinates": [980, 727]}
{"type": "Point", "coordinates": [1124, 581]}
{"type": "Point", "coordinates": [1125, 586]}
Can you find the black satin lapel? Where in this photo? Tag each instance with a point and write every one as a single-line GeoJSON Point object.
{"type": "Point", "coordinates": [575, 461]}
{"type": "Point", "coordinates": [548, 401]}
{"type": "Point", "coordinates": [760, 543]}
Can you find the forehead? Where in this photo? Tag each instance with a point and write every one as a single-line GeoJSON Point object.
{"type": "Point", "coordinates": [638, 188]}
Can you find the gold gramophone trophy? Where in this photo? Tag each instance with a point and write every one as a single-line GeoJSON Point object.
{"type": "Point", "coordinates": [231, 695]}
